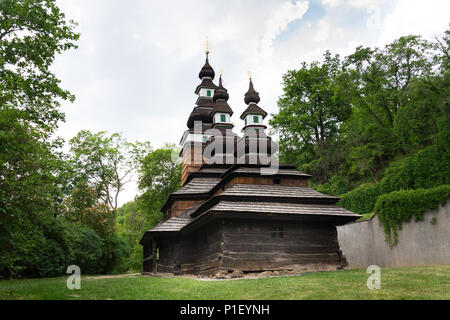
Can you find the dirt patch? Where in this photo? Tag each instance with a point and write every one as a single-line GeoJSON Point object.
{"type": "Point", "coordinates": [117, 276]}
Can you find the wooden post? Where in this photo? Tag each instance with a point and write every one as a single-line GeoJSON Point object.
{"type": "Point", "coordinates": [154, 253]}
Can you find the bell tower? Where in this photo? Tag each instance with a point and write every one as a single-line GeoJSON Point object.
{"type": "Point", "coordinates": [200, 120]}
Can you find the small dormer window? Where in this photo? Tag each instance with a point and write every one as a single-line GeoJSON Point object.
{"type": "Point", "coordinates": [255, 119]}
{"type": "Point", "coordinates": [223, 118]}
{"type": "Point", "coordinates": [245, 121]}
{"type": "Point", "coordinates": [208, 93]}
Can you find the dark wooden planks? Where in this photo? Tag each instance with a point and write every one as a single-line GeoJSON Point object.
{"type": "Point", "coordinates": [281, 208]}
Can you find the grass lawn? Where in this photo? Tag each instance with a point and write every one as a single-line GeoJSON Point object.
{"type": "Point", "coordinates": [431, 282]}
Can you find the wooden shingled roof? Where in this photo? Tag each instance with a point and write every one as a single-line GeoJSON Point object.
{"type": "Point", "coordinates": [281, 208]}
{"type": "Point", "coordinates": [290, 172]}
{"type": "Point", "coordinates": [174, 224]}
{"type": "Point", "coordinates": [198, 185]}
{"type": "Point", "coordinates": [275, 191]}
{"type": "Point", "coordinates": [266, 193]}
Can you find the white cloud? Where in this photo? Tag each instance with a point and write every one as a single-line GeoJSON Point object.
{"type": "Point", "coordinates": [278, 22]}
{"type": "Point", "coordinates": [427, 18]}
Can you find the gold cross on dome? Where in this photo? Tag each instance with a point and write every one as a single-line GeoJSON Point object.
{"type": "Point", "coordinates": [207, 46]}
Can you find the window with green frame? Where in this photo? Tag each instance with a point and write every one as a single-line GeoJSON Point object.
{"type": "Point", "coordinates": [208, 93]}
{"type": "Point", "coordinates": [223, 118]}
{"type": "Point", "coordinates": [255, 119]}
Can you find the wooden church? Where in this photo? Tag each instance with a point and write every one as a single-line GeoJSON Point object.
{"type": "Point", "coordinates": [238, 208]}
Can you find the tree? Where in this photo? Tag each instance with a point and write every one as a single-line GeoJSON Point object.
{"type": "Point", "coordinates": [32, 32]}
{"type": "Point", "coordinates": [312, 108]}
{"type": "Point", "coordinates": [392, 110]}
{"type": "Point", "coordinates": [159, 176]}
{"type": "Point", "coordinates": [159, 172]}
{"type": "Point", "coordinates": [381, 106]}
{"type": "Point", "coordinates": [106, 163]}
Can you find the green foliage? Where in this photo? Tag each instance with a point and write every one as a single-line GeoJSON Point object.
{"type": "Point", "coordinates": [86, 249]}
{"type": "Point", "coordinates": [336, 186]}
{"type": "Point", "coordinates": [427, 169]}
{"type": "Point", "coordinates": [32, 32]}
{"type": "Point", "coordinates": [106, 163]}
{"type": "Point", "coordinates": [401, 206]}
{"type": "Point", "coordinates": [354, 118]}
{"type": "Point", "coordinates": [27, 166]}
{"type": "Point", "coordinates": [159, 176]}
{"type": "Point", "coordinates": [159, 172]}
{"type": "Point", "coordinates": [311, 110]}
{"type": "Point", "coordinates": [361, 199]}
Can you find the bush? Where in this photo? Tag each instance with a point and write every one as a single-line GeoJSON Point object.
{"type": "Point", "coordinates": [55, 244]}
{"type": "Point", "coordinates": [336, 186]}
{"type": "Point", "coordinates": [86, 247]}
{"type": "Point", "coordinates": [362, 199]}
{"type": "Point", "coordinates": [401, 206]}
{"type": "Point", "coordinates": [428, 168]}
{"type": "Point", "coordinates": [115, 251]}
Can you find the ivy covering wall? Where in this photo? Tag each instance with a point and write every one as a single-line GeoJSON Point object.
{"type": "Point", "coordinates": [402, 206]}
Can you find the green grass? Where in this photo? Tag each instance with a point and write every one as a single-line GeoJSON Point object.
{"type": "Point", "coordinates": [396, 283]}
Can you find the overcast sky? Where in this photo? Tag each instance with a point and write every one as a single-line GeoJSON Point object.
{"type": "Point", "coordinates": [138, 61]}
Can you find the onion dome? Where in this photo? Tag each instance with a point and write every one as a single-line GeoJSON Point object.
{"type": "Point", "coordinates": [199, 114]}
{"type": "Point", "coordinates": [221, 93]}
{"type": "Point", "coordinates": [207, 70]}
{"type": "Point", "coordinates": [251, 96]}
{"type": "Point", "coordinates": [220, 98]}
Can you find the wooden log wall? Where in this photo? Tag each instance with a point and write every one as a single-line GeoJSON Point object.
{"type": "Point", "coordinates": [249, 245]}
{"type": "Point", "coordinates": [199, 252]}
{"type": "Point", "coordinates": [179, 206]}
{"type": "Point", "coordinates": [190, 155]}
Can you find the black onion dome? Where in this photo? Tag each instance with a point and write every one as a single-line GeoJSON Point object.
{"type": "Point", "coordinates": [207, 70]}
{"type": "Point", "coordinates": [221, 93]}
{"type": "Point", "coordinates": [251, 95]}
{"type": "Point", "coordinates": [199, 114]}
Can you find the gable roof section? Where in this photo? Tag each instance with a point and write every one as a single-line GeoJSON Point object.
{"type": "Point", "coordinates": [174, 224]}
{"type": "Point", "coordinates": [198, 185]}
{"type": "Point", "coordinates": [266, 193]}
{"type": "Point", "coordinates": [204, 183]}
{"type": "Point", "coordinates": [275, 191]}
{"type": "Point", "coordinates": [281, 208]}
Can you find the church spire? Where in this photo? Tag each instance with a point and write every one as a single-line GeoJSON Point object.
{"type": "Point", "coordinates": [221, 93]}
{"type": "Point", "coordinates": [207, 71]}
{"type": "Point", "coordinates": [205, 93]}
{"type": "Point", "coordinates": [251, 96]}
{"type": "Point", "coordinates": [253, 115]}
{"type": "Point", "coordinates": [222, 111]}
